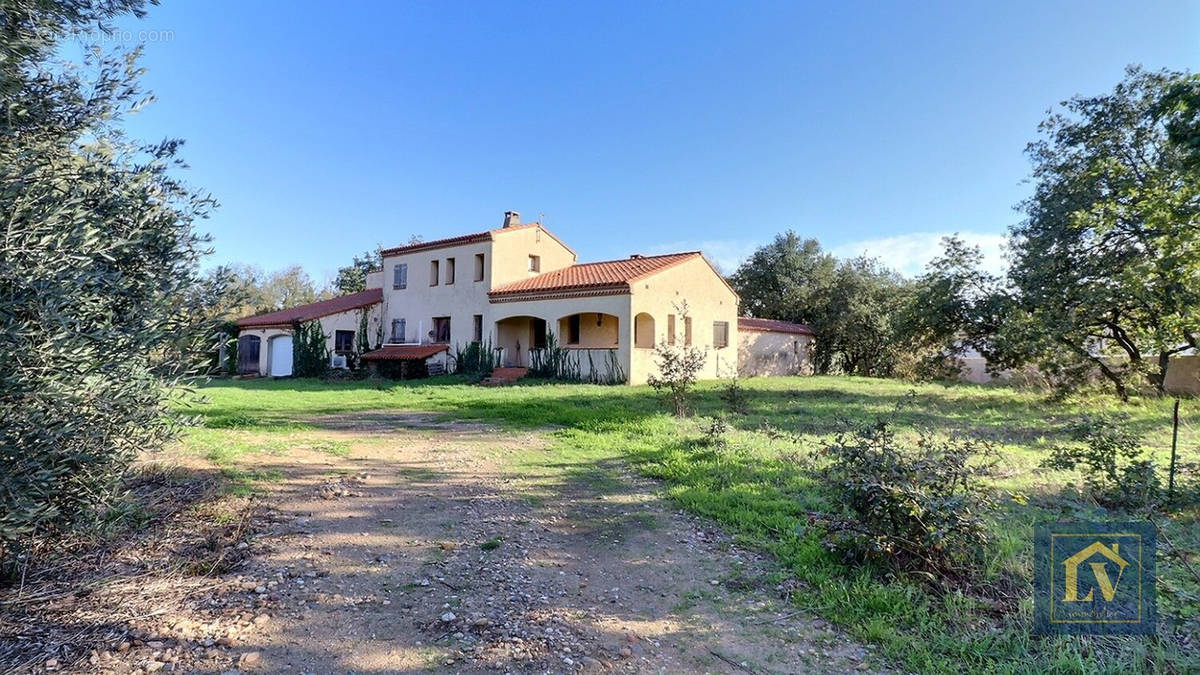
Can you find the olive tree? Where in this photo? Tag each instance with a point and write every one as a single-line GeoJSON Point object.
{"type": "Point", "coordinates": [98, 273]}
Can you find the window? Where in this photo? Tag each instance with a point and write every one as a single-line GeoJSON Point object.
{"type": "Point", "coordinates": [670, 329]}
{"type": "Point", "coordinates": [433, 273]}
{"type": "Point", "coordinates": [441, 329]}
{"type": "Point", "coordinates": [535, 263]}
{"type": "Point", "coordinates": [478, 267]}
{"type": "Point", "coordinates": [687, 331]}
{"type": "Point", "coordinates": [449, 271]}
{"type": "Point", "coordinates": [398, 330]}
{"type": "Point", "coordinates": [720, 334]}
{"type": "Point", "coordinates": [573, 329]}
{"type": "Point", "coordinates": [478, 332]}
{"type": "Point", "coordinates": [343, 341]}
{"type": "Point", "coordinates": [539, 333]}
{"type": "Point", "coordinates": [400, 276]}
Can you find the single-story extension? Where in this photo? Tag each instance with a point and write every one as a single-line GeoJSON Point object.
{"type": "Point", "coordinates": [264, 345]}
{"type": "Point", "coordinates": [772, 347]}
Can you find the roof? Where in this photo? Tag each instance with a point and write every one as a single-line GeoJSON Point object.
{"type": "Point", "coordinates": [773, 326]}
{"type": "Point", "coordinates": [467, 239]}
{"type": "Point", "coordinates": [403, 352]}
{"type": "Point", "coordinates": [314, 310]}
{"type": "Point", "coordinates": [608, 275]}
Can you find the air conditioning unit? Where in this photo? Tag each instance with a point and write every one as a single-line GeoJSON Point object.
{"type": "Point", "coordinates": [338, 361]}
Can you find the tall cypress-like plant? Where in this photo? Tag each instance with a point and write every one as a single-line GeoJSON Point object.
{"type": "Point", "coordinates": [310, 350]}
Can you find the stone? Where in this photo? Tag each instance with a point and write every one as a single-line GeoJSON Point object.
{"type": "Point", "coordinates": [154, 666]}
{"type": "Point", "coordinates": [251, 658]}
{"type": "Point", "coordinates": [626, 652]}
{"type": "Point", "coordinates": [448, 617]}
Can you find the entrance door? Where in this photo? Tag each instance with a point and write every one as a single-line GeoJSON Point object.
{"type": "Point", "coordinates": [281, 356]}
{"type": "Point", "coordinates": [247, 354]}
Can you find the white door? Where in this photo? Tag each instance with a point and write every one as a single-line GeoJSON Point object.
{"type": "Point", "coordinates": [281, 356]}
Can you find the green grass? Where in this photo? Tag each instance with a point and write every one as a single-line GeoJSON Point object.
{"type": "Point", "coordinates": [758, 489]}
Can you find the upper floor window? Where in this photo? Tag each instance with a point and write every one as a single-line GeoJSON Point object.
{"type": "Point", "coordinates": [449, 270]}
{"type": "Point", "coordinates": [400, 276]}
{"type": "Point", "coordinates": [433, 273]}
{"type": "Point", "coordinates": [535, 263]}
{"type": "Point", "coordinates": [720, 334]}
{"type": "Point", "coordinates": [478, 267]}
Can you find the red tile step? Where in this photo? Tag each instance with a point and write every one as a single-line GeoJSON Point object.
{"type": "Point", "coordinates": [501, 376]}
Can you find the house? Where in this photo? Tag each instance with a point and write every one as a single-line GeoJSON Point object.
{"type": "Point", "coordinates": [264, 345]}
{"type": "Point", "coordinates": [517, 287]}
{"type": "Point", "coordinates": [772, 347]}
{"type": "Point", "coordinates": [521, 294]}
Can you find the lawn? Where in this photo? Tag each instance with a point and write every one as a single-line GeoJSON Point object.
{"type": "Point", "coordinates": [759, 486]}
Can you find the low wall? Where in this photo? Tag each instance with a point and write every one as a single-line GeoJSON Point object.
{"type": "Point", "coordinates": [1183, 375]}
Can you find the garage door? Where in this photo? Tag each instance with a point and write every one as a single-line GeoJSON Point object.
{"type": "Point", "coordinates": [281, 356]}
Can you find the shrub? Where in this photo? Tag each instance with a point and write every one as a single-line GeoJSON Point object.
{"type": "Point", "coordinates": [733, 394]}
{"type": "Point", "coordinates": [1114, 466]}
{"type": "Point", "coordinates": [477, 358]}
{"type": "Point", "coordinates": [678, 367]}
{"type": "Point", "coordinates": [910, 509]}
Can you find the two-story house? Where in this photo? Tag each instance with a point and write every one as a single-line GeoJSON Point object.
{"type": "Point", "coordinates": [512, 286]}
{"type": "Point", "coordinates": [517, 288]}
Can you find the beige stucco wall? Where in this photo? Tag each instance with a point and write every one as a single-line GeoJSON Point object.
{"type": "Point", "coordinates": [708, 299]}
{"type": "Point", "coordinates": [329, 325]}
{"type": "Point", "coordinates": [1183, 375]}
{"type": "Point", "coordinates": [506, 259]}
{"type": "Point", "coordinates": [763, 353]}
{"type": "Point", "coordinates": [512, 249]}
{"type": "Point", "coordinates": [507, 330]}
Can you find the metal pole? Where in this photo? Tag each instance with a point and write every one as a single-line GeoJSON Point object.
{"type": "Point", "coordinates": [1174, 452]}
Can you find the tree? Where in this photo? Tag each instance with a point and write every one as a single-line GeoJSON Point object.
{"type": "Point", "coordinates": [353, 277]}
{"type": "Point", "coordinates": [1106, 264]}
{"type": "Point", "coordinates": [851, 305]}
{"type": "Point", "coordinates": [98, 268]}
{"type": "Point", "coordinates": [784, 279]}
{"type": "Point", "coordinates": [954, 306]}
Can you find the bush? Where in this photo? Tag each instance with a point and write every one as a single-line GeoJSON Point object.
{"type": "Point", "coordinates": [678, 367]}
{"type": "Point", "coordinates": [733, 394]}
{"type": "Point", "coordinates": [1111, 458]}
{"type": "Point", "coordinates": [477, 358]}
{"type": "Point", "coordinates": [910, 509]}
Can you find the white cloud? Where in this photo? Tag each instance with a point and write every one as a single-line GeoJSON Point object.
{"type": "Point", "coordinates": [908, 253]}
{"type": "Point", "coordinates": [726, 254]}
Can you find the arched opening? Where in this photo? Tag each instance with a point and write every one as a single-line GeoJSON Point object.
{"type": "Point", "coordinates": [248, 347]}
{"type": "Point", "coordinates": [516, 335]}
{"type": "Point", "coordinates": [643, 331]}
{"type": "Point", "coordinates": [589, 330]}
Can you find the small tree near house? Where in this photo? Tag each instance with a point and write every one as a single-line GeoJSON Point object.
{"type": "Point", "coordinates": [678, 367]}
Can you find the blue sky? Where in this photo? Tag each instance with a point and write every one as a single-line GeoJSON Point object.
{"type": "Point", "coordinates": [324, 129]}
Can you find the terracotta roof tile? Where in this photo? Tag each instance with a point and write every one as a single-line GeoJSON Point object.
{"type": "Point", "coordinates": [314, 310]}
{"type": "Point", "coordinates": [403, 352]}
{"type": "Point", "coordinates": [773, 326]}
{"type": "Point", "coordinates": [467, 239]}
{"type": "Point", "coordinates": [609, 274]}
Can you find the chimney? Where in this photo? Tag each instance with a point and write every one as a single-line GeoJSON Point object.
{"type": "Point", "coordinates": [636, 256]}
{"type": "Point", "coordinates": [511, 218]}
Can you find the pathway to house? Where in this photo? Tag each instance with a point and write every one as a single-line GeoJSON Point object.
{"type": "Point", "coordinates": [426, 547]}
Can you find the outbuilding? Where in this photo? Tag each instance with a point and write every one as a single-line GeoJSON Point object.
{"type": "Point", "coordinates": [773, 347]}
